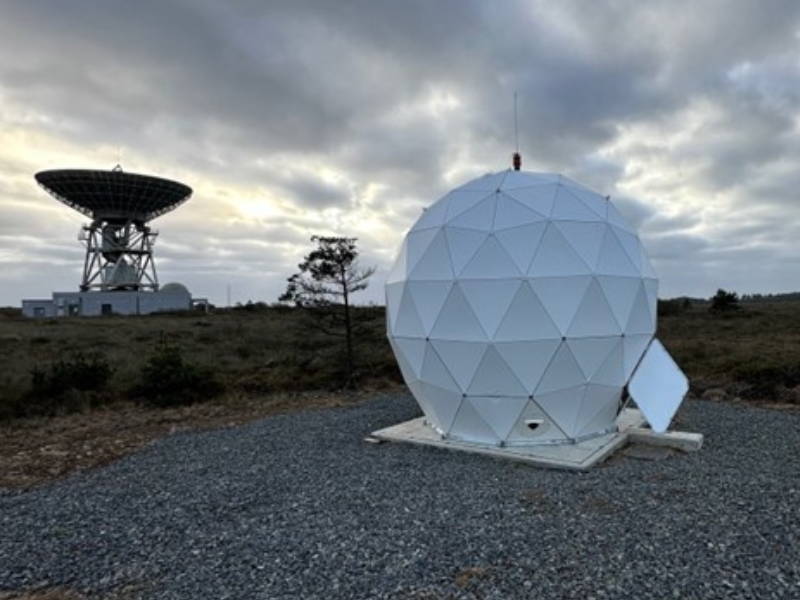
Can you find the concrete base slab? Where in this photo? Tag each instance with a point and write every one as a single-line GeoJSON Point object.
{"type": "Point", "coordinates": [578, 456]}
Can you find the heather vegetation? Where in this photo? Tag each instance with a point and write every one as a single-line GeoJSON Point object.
{"type": "Point", "coordinates": [255, 351]}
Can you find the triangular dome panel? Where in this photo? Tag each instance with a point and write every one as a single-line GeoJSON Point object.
{"type": "Point", "coordinates": [632, 246]}
{"type": "Point", "coordinates": [469, 425]}
{"type": "Point", "coordinates": [612, 371]}
{"type": "Point", "coordinates": [523, 179]}
{"type": "Point", "coordinates": [494, 378]}
{"type": "Point", "coordinates": [490, 262]}
{"type": "Point", "coordinates": [412, 352]}
{"type": "Point", "coordinates": [640, 320]}
{"type": "Point", "coordinates": [651, 289]}
{"type": "Point", "coordinates": [432, 216]}
{"type": "Point", "coordinates": [591, 353]}
{"type": "Point", "coordinates": [457, 321]}
{"type": "Point", "coordinates": [443, 404]}
{"type": "Point", "coordinates": [599, 410]}
{"type": "Point", "coordinates": [521, 243]}
{"type": "Point", "coordinates": [499, 413]}
{"type": "Point", "coordinates": [460, 358]}
{"type": "Point", "coordinates": [489, 182]}
{"type": "Point", "coordinates": [539, 198]}
{"type": "Point", "coordinates": [460, 201]}
{"type": "Point", "coordinates": [613, 259]}
{"type": "Point", "coordinates": [633, 348]}
{"type": "Point", "coordinates": [480, 217]}
{"type": "Point", "coordinates": [526, 319]}
{"type": "Point", "coordinates": [490, 299]}
{"type": "Point", "coordinates": [595, 202]}
{"type": "Point", "coordinates": [585, 238]}
{"type": "Point", "coordinates": [511, 213]}
{"type": "Point", "coordinates": [561, 297]}
{"type": "Point", "coordinates": [528, 360]}
{"type": "Point", "coordinates": [616, 219]}
{"type": "Point", "coordinates": [563, 372]}
{"type": "Point", "coordinates": [403, 317]}
{"type": "Point", "coordinates": [435, 264]}
{"type": "Point", "coordinates": [568, 208]}
{"type": "Point", "coordinates": [620, 293]}
{"type": "Point", "coordinates": [594, 316]}
{"type": "Point", "coordinates": [418, 244]}
{"type": "Point", "coordinates": [464, 243]}
{"type": "Point", "coordinates": [534, 427]}
{"type": "Point", "coordinates": [556, 257]}
{"type": "Point", "coordinates": [647, 267]}
{"type": "Point", "coordinates": [435, 372]}
{"type": "Point", "coordinates": [563, 407]}
{"type": "Point", "coordinates": [429, 298]}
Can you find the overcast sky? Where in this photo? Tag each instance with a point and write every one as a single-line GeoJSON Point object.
{"type": "Point", "coordinates": [301, 117]}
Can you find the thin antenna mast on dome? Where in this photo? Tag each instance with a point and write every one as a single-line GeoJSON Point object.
{"type": "Point", "coordinates": [516, 160]}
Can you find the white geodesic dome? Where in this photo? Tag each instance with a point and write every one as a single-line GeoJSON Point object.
{"type": "Point", "coordinates": [518, 308]}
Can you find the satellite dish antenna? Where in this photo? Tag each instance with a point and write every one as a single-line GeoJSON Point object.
{"type": "Point", "coordinates": [119, 242]}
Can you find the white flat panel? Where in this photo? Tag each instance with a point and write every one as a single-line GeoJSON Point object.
{"type": "Point", "coordinates": [435, 372]}
{"type": "Point", "coordinates": [490, 299]}
{"type": "Point", "coordinates": [526, 319]}
{"type": "Point", "coordinates": [417, 243]}
{"type": "Point", "coordinates": [599, 409]}
{"type": "Point", "coordinates": [511, 213]}
{"type": "Point", "coordinates": [444, 404]}
{"type": "Point", "coordinates": [568, 208]}
{"type": "Point", "coordinates": [556, 257]}
{"type": "Point", "coordinates": [647, 266]}
{"type": "Point", "coordinates": [539, 198]}
{"type": "Point", "coordinates": [470, 426]}
{"type": "Point", "coordinates": [620, 293]}
{"type": "Point", "coordinates": [399, 270]}
{"type": "Point", "coordinates": [612, 371]}
{"type": "Point", "coordinates": [595, 202]}
{"type": "Point", "coordinates": [461, 359]}
{"type": "Point", "coordinates": [521, 179]}
{"type": "Point", "coordinates": [461, 201]}
{"type": "Point", "coordinates": [563, 407]}
{"type": "Point", "coordinates": [528, 360]}
{"type": "Point", "coordinates": [457, 321]}
{"type": "Point", "coordinates": [613, 259]}
{"type": "Point", "coordinates": [585, 238]}
{"type": "Point", "coordinates": [658, 386]}
{"type": "Point", "coordinates": [543, 429]}
{"type": "Point", "coordinates": [491, 261]}
{"type": "Point", "coordinates": [394, 294]}
{"type": "Point", "coordinates": [412, 351]}
{"type": "Point", "coordinates": [494, 378]}
{"type": "Point", "coordinates": [561, 297]}
{"type": "Point", "coordinates": [480, 217]}
{"type": "Point", "coordinates": [651, 289]}
{"type": "Point", "coordinates": [435, 264]}
{"type": "Point", "coordinates": [428, 297]}
{"type": "Point", "coordinates": [499, 413]}
{"type": "Point", "coordinates": [432, 217]}
{"type": "Point", "coordinates": [464, 243]}
{"type": "Point", "coordinates": [594, 316]}
{"type": "Point", "coordinates": [592, 353]}
{"type": "Point", "coordinates": [632, 246]}
{"type": "Point", "coordinates": [563, 372]}
{"type": "Point", "coordinates": [418, 390]}
{"type": "Point", "coordinates": [640, 320]}
{"type": "Point", "coordinates": [521, 243]}
{"type": "Point", "coordinates": [407, 321]}
{"type": "Point", "coordinates": [633, 347]}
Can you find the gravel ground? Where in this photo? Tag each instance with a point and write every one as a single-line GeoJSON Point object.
{"type": "Point", "coordinates": [298, 506]}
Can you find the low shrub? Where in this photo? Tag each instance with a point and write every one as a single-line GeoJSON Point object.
{"type": "Point", "coordinates": [167, 379]}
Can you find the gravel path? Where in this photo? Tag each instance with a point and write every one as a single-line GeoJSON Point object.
{"type": "Point", "coordinates": [298, 506]}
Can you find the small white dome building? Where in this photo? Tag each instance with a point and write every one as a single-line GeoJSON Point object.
{"type": "Point", "coordinates": [519, 308]}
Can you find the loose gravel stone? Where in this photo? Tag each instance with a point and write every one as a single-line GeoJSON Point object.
{"type": "Point", "coordinates": [298, 506]}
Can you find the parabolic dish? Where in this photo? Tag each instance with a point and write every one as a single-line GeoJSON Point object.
{"type": "Point", "coordinates": [111, 195]}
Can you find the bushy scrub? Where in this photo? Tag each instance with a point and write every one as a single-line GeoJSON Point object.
{"type": "Point", "coordinates": [67, 385]}
{"type": "Point", "coordinates": [168, 379]}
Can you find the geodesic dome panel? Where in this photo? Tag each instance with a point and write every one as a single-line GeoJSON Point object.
{"type": "Point", "coordinates": [518, 308]}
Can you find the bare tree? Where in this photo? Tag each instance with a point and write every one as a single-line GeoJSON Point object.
{"type": "Point", "coordinates": [328, 278]}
